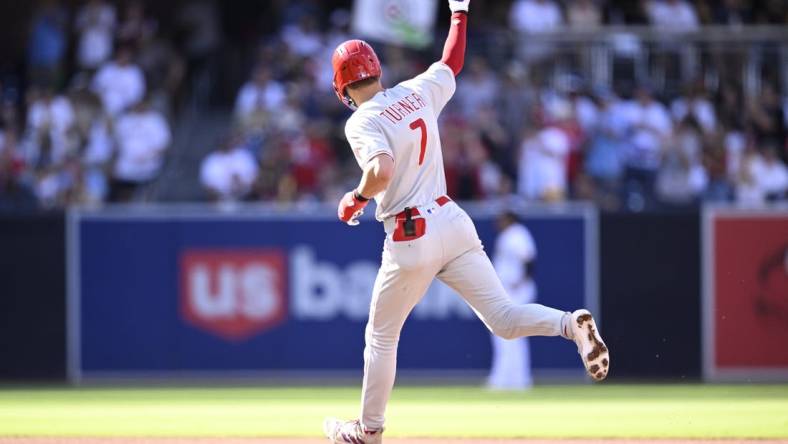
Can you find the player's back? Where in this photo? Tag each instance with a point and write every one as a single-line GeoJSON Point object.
{"type": "Point", "coordinates": [403, 122]}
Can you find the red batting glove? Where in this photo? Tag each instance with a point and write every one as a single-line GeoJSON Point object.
{"type": "Point", "coordinates": [351, 206]}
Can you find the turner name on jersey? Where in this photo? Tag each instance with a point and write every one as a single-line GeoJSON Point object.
{"type": "Point", "coordinates": [402, 108]}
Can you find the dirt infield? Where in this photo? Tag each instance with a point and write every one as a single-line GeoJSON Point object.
{"type": "Point", "coordinates": [389, 441]}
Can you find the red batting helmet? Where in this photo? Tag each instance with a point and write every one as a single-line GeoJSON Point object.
{"type": "Point", "coordinates": [353, 60]}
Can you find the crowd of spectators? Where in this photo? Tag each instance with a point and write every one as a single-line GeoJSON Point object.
{"type": "Point", "coordinates": [87, 120]}
{"type": "Point", "coordinates": [507, 131]}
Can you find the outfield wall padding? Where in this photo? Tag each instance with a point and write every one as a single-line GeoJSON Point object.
{"type": "Point", "coordinates": [199, 291]}
{"type": "Point", "coordinates": [648, 283]}
{"type": "Point", "coordinates": [650, 292]}
{"type": "Point", "coordinates": [32, 297]}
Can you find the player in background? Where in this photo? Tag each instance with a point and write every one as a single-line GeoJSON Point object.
{"type": "Point", "coordinates": [394, 136]}
{"type": "Point", "coordinates": [514, 258]}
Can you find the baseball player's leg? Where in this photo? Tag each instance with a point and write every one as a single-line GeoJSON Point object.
{"type": "Point", "coordinates": [472, 275]}
{"type": "Point", "coordinates": [397, 290]}
{"type": "Point", "coordinates": [468, 270]}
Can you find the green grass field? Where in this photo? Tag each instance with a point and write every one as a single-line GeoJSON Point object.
{"type": "Point", "coordinates": [604, 410]}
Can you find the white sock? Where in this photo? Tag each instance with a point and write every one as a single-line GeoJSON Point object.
{"type": "Point", "coordinates": [566, 329]}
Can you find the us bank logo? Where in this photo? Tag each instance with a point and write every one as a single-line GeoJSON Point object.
{"type": "Point", "coordinates": [234, 294]}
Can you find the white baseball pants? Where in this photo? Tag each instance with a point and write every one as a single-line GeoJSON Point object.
{"type": "Point", "coordinates": [451, 251]}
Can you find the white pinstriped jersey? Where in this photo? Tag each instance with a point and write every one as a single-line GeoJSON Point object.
{"type": "Point", "coordinates": [402, 122]}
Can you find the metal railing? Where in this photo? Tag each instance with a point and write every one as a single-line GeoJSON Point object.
{"type": "Point", "coordinates": [665, 59]}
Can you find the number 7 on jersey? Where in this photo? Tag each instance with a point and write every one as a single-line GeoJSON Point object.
{"type": "Point", "coordinates": [419, 124]}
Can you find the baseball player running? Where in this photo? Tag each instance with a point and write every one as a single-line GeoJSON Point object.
{"type": "Point", "coordinates": [394, 136]}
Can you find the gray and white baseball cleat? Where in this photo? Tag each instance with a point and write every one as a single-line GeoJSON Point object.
{"type": "Point", "coordinates": [350, 432]}
{"type": "Point", "coordinates": [590, 345]}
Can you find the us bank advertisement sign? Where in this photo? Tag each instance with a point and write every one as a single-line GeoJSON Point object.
{"type": "Point", "coordinates": [745, 301]}
{"type": "Point", "coordinates": [174, 292]}
{"type": "Point", "coordinates": [234, 294]}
